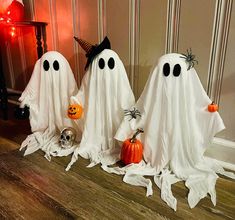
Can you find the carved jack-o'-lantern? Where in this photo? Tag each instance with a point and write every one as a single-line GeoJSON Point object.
{"type": "Point", "coordinates": [75, 111]}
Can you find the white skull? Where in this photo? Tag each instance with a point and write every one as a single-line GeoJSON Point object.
{"type": "Point", "coordinates": [67, 137]}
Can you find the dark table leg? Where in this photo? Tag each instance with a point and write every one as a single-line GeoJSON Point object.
{"type": "Point", "coordinates": [38, 33]}
{"type": "Point", "coordinates": [3, 90]}
{"type": "Point", "coordinates": [44, 37]}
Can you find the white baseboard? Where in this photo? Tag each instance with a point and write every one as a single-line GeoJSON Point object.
{"type": "Point", "coordinates": [223, 151]}
{"type": "Point", "coordinates": [223, 142]}
{"type": "Point", "coordinates": [226, 165]}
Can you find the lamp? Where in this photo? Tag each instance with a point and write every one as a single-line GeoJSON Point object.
{"type": "Point", "coordinates": [15, 11]}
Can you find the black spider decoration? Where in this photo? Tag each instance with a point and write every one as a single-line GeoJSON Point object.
{"type": "Point", "coordinates": [133, 113]}
{"type": "Point", "coordinates": [189, 58]}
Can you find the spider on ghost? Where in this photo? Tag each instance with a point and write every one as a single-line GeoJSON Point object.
{"type": "Point", "coordinates": [133, 113]}
{"type": "Point", "coordinates": [189, 58]}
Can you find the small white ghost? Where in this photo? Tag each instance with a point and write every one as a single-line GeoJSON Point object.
{"type": "Point", "coordinates": [47, 95]}
{"type": "Point", "coordinates": [177, 130]}
{"type": "Point", "coordinates": [104, 94]}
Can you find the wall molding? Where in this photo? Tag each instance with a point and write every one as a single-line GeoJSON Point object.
{"type": "Point", "coordinates": [22, 56]}
{"type": "Point", "coordinates": [134, 33]}
{"type": "Point", "coordinates": [224, 142]}
{"type": "Point", "coordinates": [225, 165]}
{"type": "Point", "coordinates": [76, 31]}
{"type": "Point", "coordinates": [32, 9]}
{"type": "Point", "coordinates": [102, 31]}
{"type": "Point", "coordinates": [218, 48]}
{"type": "Point", "coordinates": [53, 21]}
{"type": "Point", "coordinates": [223, 151]}
{"type": "Point", "coordinates": [172, 26]}
{"type": "Point", "coordinates": [10, 64]}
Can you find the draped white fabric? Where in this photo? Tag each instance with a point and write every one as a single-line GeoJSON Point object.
{"type": "Point", "coordinates": [47, 94]}
{"type": "Point", "coordinates": [177, 129]}
{"type": "Point", "coordinates": [104, 94]}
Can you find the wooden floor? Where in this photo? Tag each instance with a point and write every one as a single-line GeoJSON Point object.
{"type": "Point", "coordinates": [33, 188]}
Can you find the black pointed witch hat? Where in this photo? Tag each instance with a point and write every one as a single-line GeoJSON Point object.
{"type": "Point", "coordinates": [93, 50]}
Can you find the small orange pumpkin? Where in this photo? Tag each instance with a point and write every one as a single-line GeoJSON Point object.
{"type": "Point", "coordinates": [132, 149]}
{"type": "Point", "coordinates": [75, 111]}
{"type": "Point", "coordinates": [212, 107]}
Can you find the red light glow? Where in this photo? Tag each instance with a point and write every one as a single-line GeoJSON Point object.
{"type": "Point", "coordinates": [12, 32]}
{"type": "Point", "coordinates": [15, 11]}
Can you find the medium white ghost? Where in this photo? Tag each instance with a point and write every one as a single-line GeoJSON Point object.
{"type": "Point", "coordinates": [47, 95]}
{"type": "Point", "coordinates": [104, 94]}
{"type": "Point", "coordinates": [177, 129]}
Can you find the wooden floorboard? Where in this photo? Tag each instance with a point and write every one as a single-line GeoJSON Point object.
{"type": "Point", "coordinates": [91, 193]}
{"type": "Point", "coordinates": [33, 188]}
{"type": "Point", "coordinates": [86, 198]}
{"type": "Point", "coordinates": [20, 200]}
{"type": "Point", "coordinates": [7, 145]}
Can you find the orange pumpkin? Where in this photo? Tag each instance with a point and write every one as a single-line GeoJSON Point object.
{"type": "Point", "coordinates": [132, 149]}
{"type": "Point", "coordinates": [75, 111]}
{"type": "Point", "coordinates": [212, 107]}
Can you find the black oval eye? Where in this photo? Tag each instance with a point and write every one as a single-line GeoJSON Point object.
{"type": "Point", "coordinates": [111, 63]}
{"type": "Point", "coordinates": [166, 69]}
{"type": "Point", "coordinates": [101, 63]}
{"type": "Point", "coordinates": [67, 137]}
{"type": "Point", "coordinates": [61, 136]}
{"type": "Point", "coordinates": [46, 65]}
{"type": "Point", "coordinates": [177, 70]}
{"type": "Point", "coordinates": [56, 65]}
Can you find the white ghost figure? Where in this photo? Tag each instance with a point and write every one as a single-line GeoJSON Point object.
{"type": "Point", "coordinates": [177, 130]}
{"type": "Point", "coordinates": [47, 95]}
{"type": "Point", "coordinates": [104, 94]}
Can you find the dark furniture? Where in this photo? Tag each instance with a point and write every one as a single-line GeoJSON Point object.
{"type": "Point", "coordinates": [40, 34]}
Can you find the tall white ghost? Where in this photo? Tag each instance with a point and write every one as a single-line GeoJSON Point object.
{"type": "Point", "coordinates": [47, 95]}
{"type": "Point", "coordinates": [177, 130]}
{"type": "Point", "coordinates": [104, 94]}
